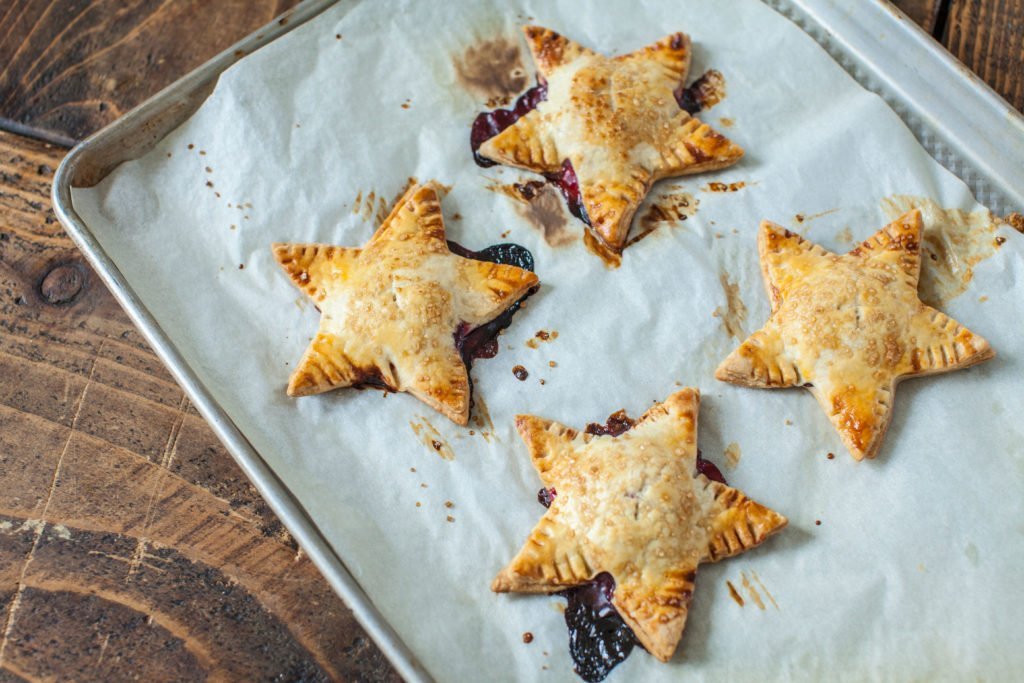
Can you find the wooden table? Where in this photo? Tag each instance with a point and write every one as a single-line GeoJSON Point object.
{"type": "Point", "coordinates": [131, 546]}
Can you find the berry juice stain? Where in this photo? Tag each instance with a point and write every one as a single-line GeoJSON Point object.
{"type": "Point", "coordinates": [482, 341]}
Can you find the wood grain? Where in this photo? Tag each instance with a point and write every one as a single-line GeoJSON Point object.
{"type": "Point", "coordinates": [988, 37]}
{"type": "Point", "coordinates": [923, 12]}
{"type": "Point", "coordinates": [68, 67]}
{"type": "Point", "coordinates": [131, 545]}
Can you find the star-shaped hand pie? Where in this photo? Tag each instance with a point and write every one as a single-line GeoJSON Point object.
{"type": "Point", "coordinates": [618, 123]}
{"type": "Point", "coordinates": [390, 311]}
{"type": "Point", "coordinates": [849, 327]}
{"type": "Point", "coordinates": [635, 507]}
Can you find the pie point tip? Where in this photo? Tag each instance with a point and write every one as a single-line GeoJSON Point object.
{"type": "Point", "coordinates": [501, 583]}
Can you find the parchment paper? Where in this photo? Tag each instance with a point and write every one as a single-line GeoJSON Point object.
{"type": "Point", "coordinates": [914, 571]}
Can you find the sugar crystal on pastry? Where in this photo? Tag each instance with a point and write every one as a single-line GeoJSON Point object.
{"type": "Point", "coordinates": [632, 506]}
{"type": "Point", "coordinates": [849, 327]}
{"type": "Point", "coordinates": [615, 122]}
{"type": "Point", "coordinates": [395, 313]}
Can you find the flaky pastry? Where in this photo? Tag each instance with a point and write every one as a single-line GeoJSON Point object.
{"type": "Point", "coordinates": [390, 310]}
{"type": "Point", "coordinates": [849, 327]}
{"type": "Point", "coordinates": [616, 120]}
{"type": "Point", "coordinates": [635, 507]}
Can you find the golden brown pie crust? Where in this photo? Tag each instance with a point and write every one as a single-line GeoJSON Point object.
{"type": "Point", "coordinates": [390, 310]}
{"type": "Point", "coordinates": [849, 327]}
{"type": "Point", "coordinates": [633, 506]}
{"type": "Point", "coordinates": [616, 119]}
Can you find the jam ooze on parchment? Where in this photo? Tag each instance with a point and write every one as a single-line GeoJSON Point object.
{"type": "Point", "coordinates": [599, 640]}
{"type": "Point", "coordinates": [703, 93]}
{"type": "Point", "coordinates": [490, 123]}
{"type": "Point", "coordinates": [598, 637]}
{"type": "Point", "coordinates": [482, 341]}
{"type": "Point", "coordinates": [617, 423]}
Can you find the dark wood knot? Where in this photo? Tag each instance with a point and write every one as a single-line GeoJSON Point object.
{"type": "Point", "coordinates": [62, 284]}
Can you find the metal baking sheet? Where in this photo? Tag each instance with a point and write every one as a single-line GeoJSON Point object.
{"type": "Point", "coordinates": [958, 119]}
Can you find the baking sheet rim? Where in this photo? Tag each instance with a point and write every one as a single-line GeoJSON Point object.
{"type": "Point", "coordinates": [284, 504]}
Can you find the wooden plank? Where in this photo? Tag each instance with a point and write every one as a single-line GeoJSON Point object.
{"type": "Point", "coordinates": [131, 545]}
{"type": "Point", "coordinates": [988, 36]}
{"type": "Point", "coordinates": [69, 67]}
{"type": "Point", "coordinates": [924, 12]}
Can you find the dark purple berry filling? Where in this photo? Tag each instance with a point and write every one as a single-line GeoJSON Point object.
{"type": "Point", "coordinates": [482, 341]}
{"type": "Point", "coordinates": [697, 96]}
{"type": "Point", "coordinates": [709, 470]}
{"type": "Point", "coordinates": [567, 183]}
{"type": "Point", "coordinates": [598, 637]}
{"type": "Point", "coordinates": [546, 496]}
{"type": "Point", "coordinates": [617, 423]}
{"type": "Point", "coordinates": [490, 123]}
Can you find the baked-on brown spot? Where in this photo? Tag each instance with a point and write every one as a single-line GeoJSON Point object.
{"type": "Point", "coordinates": [541, 336]}
{"type": "Point", "coordinates": [541, 206]}
{"type": "Point", "coordinates": [596, 246]}
{"type": "Point", "coordinates": [431, 438]}
{"type": "Point", "coordinates": [732, 455]}
{"type": "Point", "coordinates": [954, 242]}
{"type": "Point", "coordinates": [672, 207]}
{"type": "Point", "coordinates": [492, 70]}
{"type": "Point", "coordinates": [1015, 221]}
{"type": "Point", "coordinates": [735, 314]}
{"type": "Point", "coordinates": [482, 418]}
{"type": "Point", "coordinates": [370, 207]}
{"type": "Point", "coordinates": [764, 589]}
{"type": "Point", "coordinates": [723, 187]}
{"type": "Point", "coordinates": [734, 594]}
{"type": "Point", "coordinates": [803, 218]}
{"type": "Point", "coordinates": [521, 192]}
{"type": "Point", "coordinates": [752, 590]}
